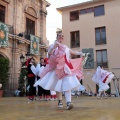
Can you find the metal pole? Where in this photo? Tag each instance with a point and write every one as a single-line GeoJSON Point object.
{"type": "Point", "coordinates": [116, 89]}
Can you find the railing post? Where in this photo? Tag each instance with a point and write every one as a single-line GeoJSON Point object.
{"type": "Point", "coordinates": [116, 88]}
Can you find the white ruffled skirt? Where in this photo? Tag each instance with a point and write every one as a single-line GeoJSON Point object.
{"type": "Point", "coordinates": [103, 86]}
{"type": "Point", "coordinates": [51, 82]}
{"type": "Point", "coordinates": [81, 88]}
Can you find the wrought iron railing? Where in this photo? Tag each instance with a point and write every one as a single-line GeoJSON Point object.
{"type": "Point", "coordinates": [10, 27]}
{"type": "Point", "coordinates": [27, 36]}
{"type": "Point", "coordinates": [104, 64]}
{"type": "Point", "coordinates": [11, 30]}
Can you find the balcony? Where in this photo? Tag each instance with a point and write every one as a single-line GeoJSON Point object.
{"type": "Point", "coordinates": [11, 30]}
{"type": "Point", "coordinates": [10, 27]}
{"type": "Point", "coordinates": [104, 64]}
{"type": "Point", "coordinates": [27, 36]}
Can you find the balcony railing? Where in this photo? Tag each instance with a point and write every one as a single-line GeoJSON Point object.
{"type": "Point", "coordinates": [11, 30]}
{"type": "Point", "coordinates": [104, 64]}
{"type": "Point", "coordinates": [27, 36]}
{"type": "Point", "coordinates": [10, 27]}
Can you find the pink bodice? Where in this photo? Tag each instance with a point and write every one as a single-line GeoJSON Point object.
{"type": "Point", "coordinates": [61, 65]}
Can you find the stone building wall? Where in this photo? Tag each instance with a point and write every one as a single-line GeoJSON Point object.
{"type": "Point", "coordinates": [16, 12]}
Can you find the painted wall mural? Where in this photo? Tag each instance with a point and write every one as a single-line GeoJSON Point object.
{"type": "Point", "coordinates": [90, 59]}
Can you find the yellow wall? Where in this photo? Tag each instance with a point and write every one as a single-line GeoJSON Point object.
{"type": "Point", "coordinates": [86, 26]}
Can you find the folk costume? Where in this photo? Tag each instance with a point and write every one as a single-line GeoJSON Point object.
{"type": "Point", "coordinates": [102, 78]}
{"type": "Point", "coordinates": [61, 72]}
{"type": "Point", "coordinates": [31, 78]}
{"type": "Point", "coordinates": [41, 91]}
{"type": "Point", "coordinates": [53, 95]}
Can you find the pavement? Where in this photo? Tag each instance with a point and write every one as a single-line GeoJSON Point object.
{"type": "Point", "coordinates": [85, 108]}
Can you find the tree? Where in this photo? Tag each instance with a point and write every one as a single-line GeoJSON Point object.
{"type": "Point", "coordinates": [21, 82]}
{"type": "Point", "coordinates": [4, 69]}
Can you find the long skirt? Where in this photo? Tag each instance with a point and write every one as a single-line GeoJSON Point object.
{"type": "Point", "coordinates": [51, 82]}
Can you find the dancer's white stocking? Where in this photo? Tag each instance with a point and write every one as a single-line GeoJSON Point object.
{"type": "Point", "coordinates": [68, 96]}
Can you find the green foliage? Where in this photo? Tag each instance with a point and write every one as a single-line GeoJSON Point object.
{"type": "Point", "coordinates": [21, 82]}
{"type": "Point", "coordinates": [4, 69]}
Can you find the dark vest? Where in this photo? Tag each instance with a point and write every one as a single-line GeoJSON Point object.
{"type": "Point", "coordinates": [30, 71]}
{"type": "Point", "coordinates": [42, 65]}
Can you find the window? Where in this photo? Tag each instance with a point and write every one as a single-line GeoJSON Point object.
{"type": "Point", "coordinates": [30, 28]}
{"type": "Point", "coordinates": [75, 56]}
{"type": "Point", "coordinates": [2, 13]}
{"type": "Point", "coordinates": [99, 10]}
{"type": "Point", "coordinates": [75, 41]}
{"type": "Point", "coordinates": [102, 58]}
{"type": "Point", "coordinates": [100, 35]}
{"type": "Point", "coordinates": [89, 10]}
{"type": "Point", "coordinates": [74, 15]}
{"type": "Point", "coordinates": [83, 11]}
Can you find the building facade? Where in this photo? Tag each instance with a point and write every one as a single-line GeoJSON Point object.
{"type": "Point", "coordinates": [94, 27]}
{"type": "Point", "coordinates": [25, 21]}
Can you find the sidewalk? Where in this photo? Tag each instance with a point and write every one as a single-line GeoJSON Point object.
{"type": "Point", "coordinates": [85, 108]}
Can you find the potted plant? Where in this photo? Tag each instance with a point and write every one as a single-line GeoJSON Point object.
{"type": "Point", "coordinates": [4, 69]}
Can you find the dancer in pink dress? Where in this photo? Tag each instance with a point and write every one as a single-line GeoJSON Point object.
{"type": "Point", "coordinates": [102, 78]}
{"type": "Point", "coordinates": [61, 73]}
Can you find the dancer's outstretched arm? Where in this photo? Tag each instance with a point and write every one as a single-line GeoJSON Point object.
{"type": "Point", "coordinates": [77, 53]}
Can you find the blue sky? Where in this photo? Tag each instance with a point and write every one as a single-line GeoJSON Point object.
{"type": "Point", "coordinates": [54, 19]}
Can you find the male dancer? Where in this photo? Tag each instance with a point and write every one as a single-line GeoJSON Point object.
{"type": "Point", "coordinates": [41, 91]}
{"type": "Point", "coordinates": [31, 78]}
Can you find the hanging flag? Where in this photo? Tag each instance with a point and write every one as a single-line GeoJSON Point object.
{"type": "Point", "coordinates": [34, 45]}
{"type": "Point", "coordinates": [4, 35]}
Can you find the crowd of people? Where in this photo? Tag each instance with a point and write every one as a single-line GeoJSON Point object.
{"type": "Point", "coordinates": [59, 73]}
{"type": "Point", "coordinates": [37, 93]}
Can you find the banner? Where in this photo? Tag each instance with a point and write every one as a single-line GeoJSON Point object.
{"type": "Point", "coordinates": [4, 35]}
{"type": "Point", "coordinates": [34, 45]}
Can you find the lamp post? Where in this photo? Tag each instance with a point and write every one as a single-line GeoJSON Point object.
{"type": "Point", "coordinates": [22, 58]}
{"type": "Point", "coordinates": [46, 52]}
{"type": "Point", "coordinates": [27, 55]}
